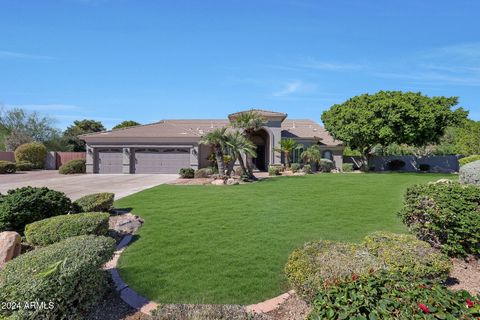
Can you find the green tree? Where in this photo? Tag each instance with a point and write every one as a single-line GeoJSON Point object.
{"type": "Point", "coordinates": [216, 139]}
{"type": "Point", "coordinates": [126, 124]}
{"type": "Point", "coordinates": [238, 145]}
{"type": "Point", "coordinates": [80, 127]}
{"type": "Point", "coordinates": [250, 122]}
{"type": "Point", "coordinates": [286, 147]}
{"type": "Point", "coordinates": [311, 155]}
{"type": "Point", "coordinates": [388, 117]}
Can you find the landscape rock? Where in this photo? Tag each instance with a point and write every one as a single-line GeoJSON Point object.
{"type": "Point", "coordinates": [218, 182]}
{"type": "Point", "coordinates": [10, 246]}
{"type": "Point", "coordinates": [232, 181]}
{"type": "Point", "coordinates": [123, 224]}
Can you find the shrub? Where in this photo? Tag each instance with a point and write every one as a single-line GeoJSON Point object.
{"type": "Point", "coordinates": [395, 165]}
{"type": "Point", "coordinates": [67, 273]}
{"type": "Point", "coordinates": [307, 168]}
{"type": "Point", "coordinates": [295, 167]}
{"type": "Point", "coordinates": [404, 254]}
{"type": "Point", "coordinates": [320, 264]}
{"type": "Point", "coordinates": [347, 167]}
{"type": "Point", "coordinates": [73, 166]}
{"type": "Point", "coordinates": [446, 215]}
{"type": "Point", "coordinates": [424, 167]}
{"type": "Point", "coordinates": [96, 202]}
{"type": "Point", "coordinates": [469, 159]}
{"type": "Point", "coordinates": [203, 173]}
{"type": "Point", "coordinates": [7, 167]}
{"type": "Point", "coordinates": [204, 312]}
{"type": "Point", "coordinates": [33, 152]}
{"type": "Point", "coordinates": [326, 165]}
{"type": "Point", "coordinates": [390, 296]}
{"type": "Point", "coordinates": [55, 229]}
{"type": "Point", "coordinates": [187, 173]}
{"type": "Point", "coordinates": [470, 173]}
{"type": "Point", "coordinates": [24, 166]}
{"type": "Point", "coordinates": [22, 206]}
{"type": "Point", "coordinates": [274, 170]}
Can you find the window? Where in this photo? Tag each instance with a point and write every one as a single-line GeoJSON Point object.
{"type": "Point", "coordinates": [296, 158]}
{"type": "Point", "coordinates": [327, 154]}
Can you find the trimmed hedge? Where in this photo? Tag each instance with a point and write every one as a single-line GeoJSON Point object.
{"type": "Point", "coordinates": [33, 152]}
{"type": "Point", "coordinates": [347, 167]}
{"type": "Point", "coordinates": [274, 170]}
{"type": "Point", "coordinates": [203, 173]}
{"type": "Point", "coordinates": [7, 167]}
{"type": "Point", "coordinates": [73, 166]}
{"type": "Point", "coordinates": [318, 265]}
{"type": "Point", "coordinates": [187, 173]}
{"type": "Point", "coordinates": [22, 206]}
{"type": "Point", "coordinates": [55, 229]}
{"type": "Point", "coordinates": [96, 202]}
{"type": "Point", "coordinates": [446, 215]}
{"type": "Point", "coordinates": [469, 159]}
{"type": "Point", "coordinates": [470, 173]}
{"type": "Point", "coordinates": [404, 254]}
{"type": "Point", "coordinates": [24, 166]}
{"type": "Point", "coordinates": [326, 165]}
{"type": "Point", "coordinates": [67, 274]}
{"type": "Point", "coordinates": [295, 167]}
{"type": "Point", "coordinates": [390, 296]}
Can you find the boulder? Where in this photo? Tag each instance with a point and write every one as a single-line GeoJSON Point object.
{"type": "Point", "coordinates": [232, 181]}
{"type": "Point", "coordinates": [10, 246]}
{"type": "Point", "coordinates": [218, 182]}
{"type": "Point", "coordinates": [123, 224]}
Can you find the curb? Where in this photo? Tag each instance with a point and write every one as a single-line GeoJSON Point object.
{"type": "Point", "coordinates": [146, 306]}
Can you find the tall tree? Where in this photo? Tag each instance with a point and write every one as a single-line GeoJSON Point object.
{"type": "Point", "coordinates": [216, 139]}
{"type": "Point", "coordinates": [250, 122]}
{"type": "Point", "coordinates": [286, 147]}
{"type": "Point", "coordinates": [80, 127]}
{"type": "Point", "coordinates": [126, 124]}
{"type": "Point", "coordinates": [391, 117]}
{"type": "Point", "coordinates": [238, 146]}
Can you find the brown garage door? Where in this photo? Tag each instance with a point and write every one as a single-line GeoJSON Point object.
{"type": "Point", "coordinates": [110, 160]}
{"type": "Point", "coordinates": [166, 160]}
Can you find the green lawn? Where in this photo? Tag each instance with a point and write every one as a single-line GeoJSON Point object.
{"type": "Point", "coordinates": [210, 244]}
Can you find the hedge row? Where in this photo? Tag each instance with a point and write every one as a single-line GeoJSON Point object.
{"type": "Point", "coordinates": [55, 229]}
{"type": "Point", "coordinates": [96, 202]}
{"type": "Point", "coordinates": [73, 166]}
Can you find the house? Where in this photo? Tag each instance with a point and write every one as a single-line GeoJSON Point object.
{"type": "Point", "coordinates": [168, 145]}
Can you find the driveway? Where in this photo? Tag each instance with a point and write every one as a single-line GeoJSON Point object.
{"type": "Point", "coordinates": [76, 186]}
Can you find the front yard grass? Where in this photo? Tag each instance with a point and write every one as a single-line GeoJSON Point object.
{"type": "Point", "coordinates": [229, 244]}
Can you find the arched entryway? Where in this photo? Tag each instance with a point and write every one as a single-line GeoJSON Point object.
{"type": "Point", "coordinates": [261, 139]}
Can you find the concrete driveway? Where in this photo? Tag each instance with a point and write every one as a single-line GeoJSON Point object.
{"type": "Point", "coordinates": [76, 186]}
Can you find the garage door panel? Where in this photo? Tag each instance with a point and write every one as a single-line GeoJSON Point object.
{"type": "Point", "coordinates": [110, 161]}
{"type": "Point", "coordinates": [161, 160]}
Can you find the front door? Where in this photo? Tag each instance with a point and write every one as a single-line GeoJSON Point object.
{"type": "Point", "coordinates": [259, 161]}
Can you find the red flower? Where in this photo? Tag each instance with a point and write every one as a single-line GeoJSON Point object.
{"type": "Point", "coordinates": [354, 277]}
{"type": "Point", "coordinates": [469, 303]}
{"type": "Point", "coordinates": [424, 308]}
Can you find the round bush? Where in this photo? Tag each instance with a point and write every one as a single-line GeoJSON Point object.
{"type": "Point", "coordinates": [404, 254]}
{"type": "Point", "coordinates": [347, 167]}
{"type": "Point", "coordinates": [203, 173]}
{"type": "Point", "coordinates": [307, 168]}
{"type": "Point", "coordinates": [383, 295]}
{"type": "Point", "coordinates": [326, 165]}
{"type": "Point", "coordinates": [55, 229]}
{"type": "Point", "coordinates": [33, 152]}
{"type": "Point", "coordinates": [67, 274]}
{"type": "Point", "coordinates": [320, 264]}
{"type": "Point", "coordinates": [73, 166]}
{"type": "Point", "coordinates": [274, 170]}
{"type": "Point", "coordinates": [295, 167]}
{"type": "Point", "coordinates": [468, 159]}
{"type": "Point", "coordinates": [446, 215]}
{"type": "Point", "coordinates": [22, 206]}
{"type": "Point", "coordinates": [7, 167]}
{"type": "Point", "coordinates": [187, 173]}
{"type": "Point", "coordinates": [96, 202]}
{"type": "Point", "coordinates": [24, 166]}
{"type": "Point", "coordinates": [470, 173]}
{"type": "Point", "coordinates": [395, 164]}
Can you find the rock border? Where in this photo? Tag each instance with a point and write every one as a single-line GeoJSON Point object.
{"type": "Point", "coordinates": [142, 304]}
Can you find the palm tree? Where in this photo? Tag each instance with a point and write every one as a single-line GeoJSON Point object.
{"type": "Point", "coordinates": [237, 145]}
{"type": "Point", "coordinates": [311, 155]}
{"type": "Point", "coordinates": [216, 139]}
{"type": "Point", "coordinates": [249, 122]}
{"type": "Point", "coordinates": [286, 147]}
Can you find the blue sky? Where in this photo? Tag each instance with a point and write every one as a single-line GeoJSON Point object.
{"type": "Point", "coordinates": [152, 60]}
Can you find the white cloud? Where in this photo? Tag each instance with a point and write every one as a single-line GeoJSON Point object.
{"type": "Point", "coordinates": [20, 55]}
{"type": "Point", "coordinates": [294, 87]}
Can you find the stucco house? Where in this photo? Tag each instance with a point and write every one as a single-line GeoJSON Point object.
{"type": "Point", "coordinates": [168, 145]}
